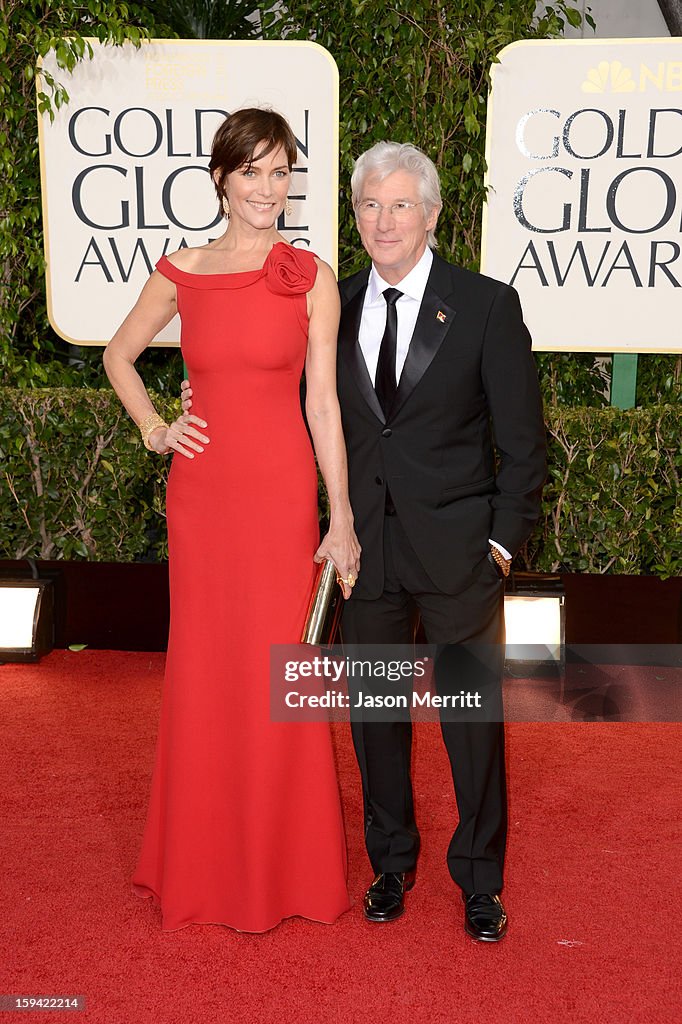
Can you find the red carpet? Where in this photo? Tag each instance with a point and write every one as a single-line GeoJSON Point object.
{"type": "Point", "coordinates": [592, 878]}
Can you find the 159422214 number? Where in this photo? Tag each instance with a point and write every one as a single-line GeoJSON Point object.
{"type": "Point", "coordinates": [35, 1002]}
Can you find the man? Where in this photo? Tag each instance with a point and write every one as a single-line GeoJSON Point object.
{"type": "Point", "coordinates": [435, 373]}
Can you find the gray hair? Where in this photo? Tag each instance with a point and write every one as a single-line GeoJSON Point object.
{"type": "Point", "coordinates": [386, 157]}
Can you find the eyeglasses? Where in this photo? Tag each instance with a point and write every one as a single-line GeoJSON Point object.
{"type": "Point", "coordinates": [371, 210]}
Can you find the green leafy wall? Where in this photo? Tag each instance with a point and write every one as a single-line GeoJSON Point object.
{"type": "Point", "coordinates": [76, 483]}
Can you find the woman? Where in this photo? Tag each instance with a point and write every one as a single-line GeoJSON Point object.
{"type": "Point", "coordinates": [244, 825]}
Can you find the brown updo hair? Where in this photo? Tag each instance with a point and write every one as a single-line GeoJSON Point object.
{"type": "Point", "coordinates": [235, 142]}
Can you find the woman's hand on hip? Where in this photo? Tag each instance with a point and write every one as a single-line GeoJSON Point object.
{"type": "Point", "coordinates": [182, 437]}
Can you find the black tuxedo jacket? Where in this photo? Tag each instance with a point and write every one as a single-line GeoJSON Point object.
{"type": "Point", "coordinates": [468, 387]}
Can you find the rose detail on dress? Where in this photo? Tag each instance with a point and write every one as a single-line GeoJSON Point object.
{"type": "Point", "coordinates": [290, 271]}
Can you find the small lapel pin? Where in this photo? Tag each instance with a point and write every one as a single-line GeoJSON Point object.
{"type": "Point", "coordinates": [440, 315]}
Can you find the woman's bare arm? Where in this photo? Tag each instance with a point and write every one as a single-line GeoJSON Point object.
{"type": "Point", "coordinates": [324, 420]}
{"type": "Point", "coordinates": [156, 307]}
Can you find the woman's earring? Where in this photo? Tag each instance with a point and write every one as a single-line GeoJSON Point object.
{"type": "Point", "coordinates": [226, 207]}
{"type": "Point", "coordinates": [288, 208]}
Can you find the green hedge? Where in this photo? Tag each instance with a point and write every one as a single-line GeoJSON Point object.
{"type": "Point", "coordinates": [611, 502]}
{"type": "Point", "coordinates": [77, 483]}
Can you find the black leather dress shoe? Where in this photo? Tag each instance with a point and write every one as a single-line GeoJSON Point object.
{"type": "Point", "coordinates": [385, 898]}
{"type": "Point", "coordinates": [484, 917]}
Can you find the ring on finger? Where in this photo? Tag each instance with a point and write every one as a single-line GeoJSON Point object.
{"type": "Point", "coordinates": [350, 581]}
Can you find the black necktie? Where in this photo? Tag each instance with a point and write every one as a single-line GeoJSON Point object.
{"type": "Point", "coordinates": [385, 383]}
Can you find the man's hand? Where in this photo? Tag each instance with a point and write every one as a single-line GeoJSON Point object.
{"type": "Point", "coordinates": [184, 427]}
{"type": "Point", "coordinates": [186, 397]}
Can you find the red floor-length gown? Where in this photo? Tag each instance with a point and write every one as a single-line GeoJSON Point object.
{"type": "Point", "coordinates": [244, 826]}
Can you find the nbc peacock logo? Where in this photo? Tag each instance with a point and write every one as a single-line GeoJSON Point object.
{"type": "Point", "coordinates": [609, 76]}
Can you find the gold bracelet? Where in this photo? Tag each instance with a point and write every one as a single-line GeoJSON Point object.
{"type": "Point", "coordinates": [504, 563]}
{"type": "Point", "coordinates": [148, 425]}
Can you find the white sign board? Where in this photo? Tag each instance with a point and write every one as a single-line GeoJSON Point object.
{"type": "Point", "coordinates": [124, 165]}
{"type": "Point", "coordinates": [584, 209]}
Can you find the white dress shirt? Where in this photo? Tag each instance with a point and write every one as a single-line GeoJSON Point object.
{"type": "Point", "coordinates": [373, 320]}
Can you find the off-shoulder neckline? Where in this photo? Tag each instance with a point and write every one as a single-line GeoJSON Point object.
{"type": "Point", "coordinates": [228, 273]}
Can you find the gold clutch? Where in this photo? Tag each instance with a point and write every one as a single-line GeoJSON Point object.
{"type": "Point", "coordinates": [324, 610]}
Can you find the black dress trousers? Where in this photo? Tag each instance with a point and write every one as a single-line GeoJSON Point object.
{"type": "Point", "coordinates": [458, 624]}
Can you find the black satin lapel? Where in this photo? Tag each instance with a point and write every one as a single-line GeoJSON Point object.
{"type": "Point", "coordinates": [433, 323]}
{"type": "Point", "coordinates": [350, 351]}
